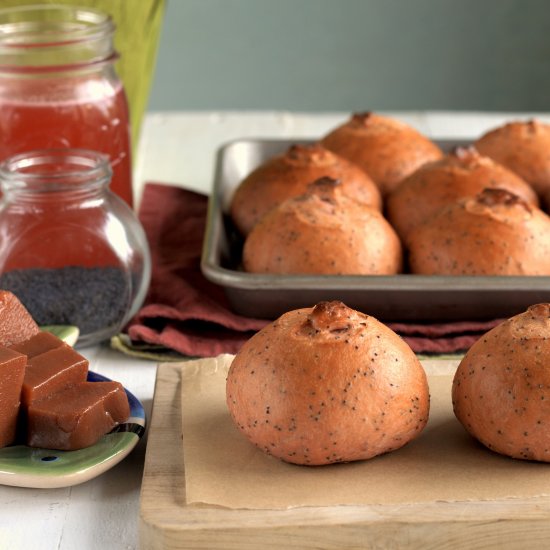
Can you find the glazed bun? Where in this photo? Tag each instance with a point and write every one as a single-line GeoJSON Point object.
{"type": "Point", "coordinates": [327, 384]}
{"type": "Point", "coordinates": [521, 146]}
{"type": "Point", "coordinates": [388, 150]}
{"type": "Point", "coordinates": [494, 233]}
{"type": "Point", "coordinates": [461, 173]}
{"type": "Point", "coordinates": [323, 232]}
{"type": "Point", "coordinates": [501, 389]}
{"type": "Point", "coordinates": [288, 175]}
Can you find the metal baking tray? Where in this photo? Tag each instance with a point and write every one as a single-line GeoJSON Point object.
{"type": "Point", "coordinates": [403, 297]}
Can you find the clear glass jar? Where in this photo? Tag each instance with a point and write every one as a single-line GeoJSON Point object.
{"type": "Point", "coordinates": [59, 88]}
{"type": "Point", "coordinates": [71, 250]}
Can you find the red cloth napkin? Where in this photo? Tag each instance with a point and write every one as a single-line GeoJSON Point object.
{"type": "Point", "coordinates": [186, 313]}
{"type": "Point", "coordinates": [183, 311]}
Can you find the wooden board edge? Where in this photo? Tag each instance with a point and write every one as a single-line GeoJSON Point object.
{"type": "Point", "coordinates": [467, 525]}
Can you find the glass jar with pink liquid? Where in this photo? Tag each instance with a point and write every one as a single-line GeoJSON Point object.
{"type": "Point", "coordinates": [59, 88]}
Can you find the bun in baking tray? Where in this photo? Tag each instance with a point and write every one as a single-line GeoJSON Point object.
{"type": "Point", "coordinates": [401, 297]}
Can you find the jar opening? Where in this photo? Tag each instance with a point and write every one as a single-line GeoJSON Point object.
{"type": "Point", "coordinates": [55, 170]}
{"type": "Point", "coordinates": [54, 35]}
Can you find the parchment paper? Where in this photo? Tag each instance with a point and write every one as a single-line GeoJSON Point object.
{"type": "Point", "coordinates": [443, 464]}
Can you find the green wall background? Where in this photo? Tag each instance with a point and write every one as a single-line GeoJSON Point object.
{"type": "Point", "coordinates": [354, 55]}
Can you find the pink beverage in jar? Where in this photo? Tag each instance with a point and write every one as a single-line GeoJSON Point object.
{"type": "Point", "coordinates": [59, 89]}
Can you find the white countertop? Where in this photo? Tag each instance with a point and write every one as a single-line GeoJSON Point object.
{"type": "Point", "coordinates": [180, 147]}
{"type": "Point", "coordinates": [177, 148]}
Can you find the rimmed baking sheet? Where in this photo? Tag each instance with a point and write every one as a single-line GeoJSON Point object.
{"type": "Point", "coordinates": [403, 297]}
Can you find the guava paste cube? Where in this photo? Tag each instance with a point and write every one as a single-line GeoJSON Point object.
{"type": "Point", "coordinates": [16, 323]}
{"type": "Point", "coordinates": [77, 417]}
{"type": "Point", "coordinates": [38, 344]}
{"type": "Point", "coordinates": [51, 372]}
{"type": "Point", "coordinates": [12, 372]}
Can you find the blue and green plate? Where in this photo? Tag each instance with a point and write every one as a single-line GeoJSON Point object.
{"type": "Point", "coordinates": [23, 466]}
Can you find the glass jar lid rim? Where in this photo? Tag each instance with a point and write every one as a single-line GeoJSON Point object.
{"type": "Point", "coordinates": [21, 26]}
{"type": "Point", "coordinates": [92, 165]}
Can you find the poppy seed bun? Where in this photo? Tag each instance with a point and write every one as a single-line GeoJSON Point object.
{"type": "Point", "coordinates": [323, 232]}
{"type": "Point", "coordinates": [288, 175]}
{"type": "Point", "coordinates": [386, 149]}
{"type": "Point", "coordinates": [494, 233]}
{"type": "Point", "coordinates": [521, 146]}
{"type": "Point", "coordinates": [501, 387]}
{"type": "Point", "coordinates": [327, 384]}
{"type": "Point", "coordinates": [461, 173]}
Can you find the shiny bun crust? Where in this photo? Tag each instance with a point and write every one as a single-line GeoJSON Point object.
{"type": "Point", "coordinates": [494, 233]}
{"type": "Point", "coordinates": [501, 389]}
{"type": "Point", "coordinates": [461, 173]}
{"type": "Point", "coordinates": [386, 149]}
{"type": "Point", "coordinates": [327, 384]}
{"type": "Point", "coordinates": [521, 146]}
{"type": "Point", "coordinates": [288, 175]}
{"type": "Point", "coordinates": [323, 232]}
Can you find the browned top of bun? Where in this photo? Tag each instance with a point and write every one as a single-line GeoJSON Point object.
{"type": "Point", "coordinates": [494, 233]}
{"type": "Point", "coordinates": [327, 384]}
{"type": "Point", "coordinates": [323, 232]}
{"type": "Point", "coordinates": [461, 173]}
{"type": "Point", "coordinates": [501, 387]}
{"type": "Point", "coordinates": [521, 146]}
{"type": "Point", "coordinates": [387, 149]}
{"type": "Point", "coordinates": [288, 175]}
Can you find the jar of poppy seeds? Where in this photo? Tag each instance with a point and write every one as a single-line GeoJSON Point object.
{"type": "Point", "coordinates": [71, 250]}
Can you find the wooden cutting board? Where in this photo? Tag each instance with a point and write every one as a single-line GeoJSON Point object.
{"type": "Point", "coordinates": [168, 522]}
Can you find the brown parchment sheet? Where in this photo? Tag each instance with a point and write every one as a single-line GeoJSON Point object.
{"type": "Point", "coordinates": [443, 464]}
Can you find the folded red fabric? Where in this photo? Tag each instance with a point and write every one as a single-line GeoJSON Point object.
{"type": "Point", "coordinates": [188, 314]}
{"type": "Point", "coordinates": [183, 311]}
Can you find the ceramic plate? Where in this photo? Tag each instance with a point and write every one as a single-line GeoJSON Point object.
{"type": "Point", "coordinates": [24, 466]}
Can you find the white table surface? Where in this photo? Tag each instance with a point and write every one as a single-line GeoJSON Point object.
{"type": "Point", "coordinates": [176, 148]}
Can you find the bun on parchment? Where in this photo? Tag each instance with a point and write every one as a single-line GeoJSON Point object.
{"type": "Point", "coordinates": [501, 389]}
{"type": "Point", "coordinates": [327, 384]}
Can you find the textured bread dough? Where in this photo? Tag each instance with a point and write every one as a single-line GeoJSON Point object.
{"type": "Point", "coordinates": [288, 175]}
{"type": "Point", "coordinates": [494, 233]}
{"type": "Point", "coordinates": [461, 173]}
{"type": "Point", "coordinates": [327, 384]}
{"type": "Point", "coordinates": [323, 232]}
{"type": "Point", "coordinates": [501, 389]}
{"type": "Point", "coordinates": [387, 149]}
{"type": "Point", "coordinates": [521, 146]}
